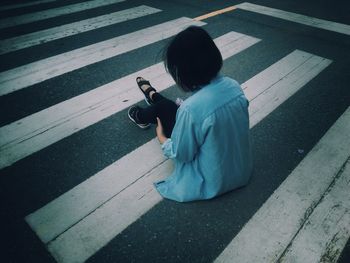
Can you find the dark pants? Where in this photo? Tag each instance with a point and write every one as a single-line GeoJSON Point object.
{"type": "Point", "coordinates": [162, 108]}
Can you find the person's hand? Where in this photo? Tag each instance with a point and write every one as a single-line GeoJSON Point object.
{"type": "Point", "coordinates": [160, 132]}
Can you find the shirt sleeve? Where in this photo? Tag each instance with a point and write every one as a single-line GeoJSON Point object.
{"type": "Point", "coordinates": [183, 144]}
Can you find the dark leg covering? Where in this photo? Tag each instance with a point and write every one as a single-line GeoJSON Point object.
{"type": "Point", "coordinates": [162, 108]}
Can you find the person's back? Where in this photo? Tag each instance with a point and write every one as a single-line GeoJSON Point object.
{"type": "Point", "coordinates": [214, 156]}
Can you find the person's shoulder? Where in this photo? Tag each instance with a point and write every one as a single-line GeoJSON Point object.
{"type": "Point", "coordinates": [192, 108]}
{"type": "Point", "coordinates": [203, 102]}
{"type": "Point", "coordinates": [230, 82]}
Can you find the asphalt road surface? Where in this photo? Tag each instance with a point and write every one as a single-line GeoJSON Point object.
{"type": "Point", "coordinates": [76, 176]}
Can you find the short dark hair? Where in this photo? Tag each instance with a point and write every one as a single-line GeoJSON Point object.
{"type": "Point", "coordinates": [192, 58]}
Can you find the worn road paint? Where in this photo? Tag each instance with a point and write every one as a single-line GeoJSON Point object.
{"type": "Point", "coordinates": [297, 18]}
{"type": "Point", "coordinates": [269, 232]}
{"type": "Point", "coordinates": [215, 13]}
{"type": "Point", "coordinates": [54, 12]}
{"type": "Point", "coordinates": [54, 33]}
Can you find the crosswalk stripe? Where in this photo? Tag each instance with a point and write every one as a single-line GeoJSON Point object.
{"type": "Point", "coordinates": [86, 237]}
{"type": "Point", "coordinates": [326, 231]}
{"type": "Point", "coordinates": [138, 197]}
{"type": "Point", "coordinates": [50, 222]}
{"type": "Point", "coordinates": [299, 68]}
{"type": "Point", "coordinates": [54, 12]}
{"type": "Point", "coordinates": [298, 18]}
{"type": "Point", "coordinates": [9, 7]}
{"type": "Point", "coordinates": [36, 72]}
{"type": "Point", "coordinates": [269, 232]}
{"type": "Point", "coordinates": [43, 36]}
{"type": "Point", "coordinates": [37, 131]}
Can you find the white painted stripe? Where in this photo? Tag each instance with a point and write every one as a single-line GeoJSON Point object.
{"type": "Point", "coordinates": [85, 238]}
{"type": "Point", "coordinates": [325, 233]}
{"type": "Point", "coordinates": [266, 88]}
{"type": "Point", "coordinates": [297, 18]}
{"type": "Point", "coordinates": [36, 72]}
{"type": "Point", "coordinates": [64, 212]}
{"type": "Point", "coordinates": [87, 222]}
{"type": "Point", "coordinates": [9, 7]}
{"type": "Point", "coordinates": [43, 36]}
{"type": "Point", "coordinates": [50, 13]}
{"type": "Point", "coordinates": [267, 234]}
{"type": "Point", "coordinates": [37, 131]}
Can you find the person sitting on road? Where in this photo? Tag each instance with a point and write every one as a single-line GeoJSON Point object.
{"type": "Point", "coordinates": [207, 136]}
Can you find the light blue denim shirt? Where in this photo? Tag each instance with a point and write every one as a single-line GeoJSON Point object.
{"type": "Point", "coordinates": [210, 144]}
